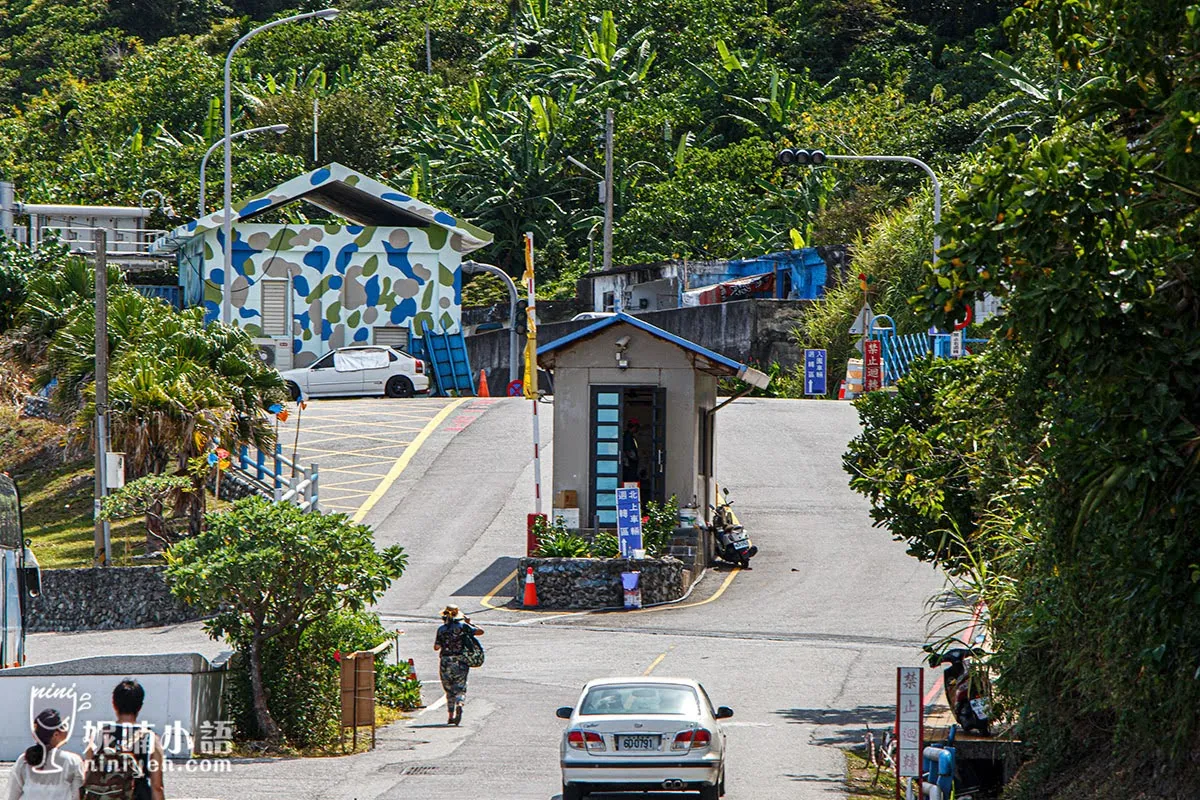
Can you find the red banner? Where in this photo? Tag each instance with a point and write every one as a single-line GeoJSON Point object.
{"type": "Point", "coordinates": [872, 365]}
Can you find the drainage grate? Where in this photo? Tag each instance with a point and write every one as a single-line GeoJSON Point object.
{"type": "Point", "coordinates": [432, 769]}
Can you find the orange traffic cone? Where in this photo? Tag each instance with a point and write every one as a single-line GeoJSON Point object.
{"type": "Point", "coordinates": [530, 588]}
{"type": "Point", "coordinates": [412, 668]}
{"type": "Point", "coordinates": [842, 391]}
{"type": "Point", "coordinates": [483, 390]}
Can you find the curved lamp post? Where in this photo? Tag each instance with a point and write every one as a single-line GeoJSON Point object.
{"type": "Point", "coordinates": [204, 161]}
{"type": "Point", "coordinates": [227, 222]}
{"type": "Point", "coordinates": [816, 158]}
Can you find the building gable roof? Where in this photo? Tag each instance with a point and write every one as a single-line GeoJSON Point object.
{"type": "Point", "coordinates": [348, 194]}
{"type": "Point", "coordinates": [704, 359]}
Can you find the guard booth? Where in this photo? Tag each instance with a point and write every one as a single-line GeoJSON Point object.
{"type": "Point", "coordinates": [634, 404]}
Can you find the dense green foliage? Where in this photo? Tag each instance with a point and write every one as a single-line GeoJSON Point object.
{"type": "Point", "coordinates": [1064, 460]}
{"type": "Point", "coordinates": [176, 387]}
{"type": "Point", "coordinates": [268, 573]}
{"type": "Point", "coordinates": [108, 99]}
{"type": "Point", "coordinates": [303, 680]}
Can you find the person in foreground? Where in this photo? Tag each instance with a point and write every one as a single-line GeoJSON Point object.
{"type": "Point", "coordinates": [454, 668]}
{"type": "Point", "coordinates": [126, 760]}
{"type": "Point", "coordinates": [44, 772]}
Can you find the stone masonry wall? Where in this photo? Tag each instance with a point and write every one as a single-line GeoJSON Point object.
{"type": "Point", "coordinates": [112, 598]}
{"type": "Point", "coordinates": [570, 583]}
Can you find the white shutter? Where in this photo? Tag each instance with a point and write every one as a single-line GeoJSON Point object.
{"type": "Point", "coordinates": [274, 308]}
{"type": "Point", "coordinates": [392, 336]}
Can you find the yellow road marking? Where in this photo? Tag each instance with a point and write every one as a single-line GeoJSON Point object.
{"type": "Point", "coordinates": [486, 600]}
{"type": "Point", "coordinates": [404, 459]}
{"type": "Point", "coordinates": [377, 463]}
{"type": "Point", "coordinates": [346, 494]}
{"type": "Point", "coordinates": [340, 484]}
{"type": "Point", "coordinates": [373, 424]}
{"type": "Point", "coordinates": [340, 471]}
{"type": "Point", "coordinates": [654, 664]}
{"type": "Point", "coordinates": [364, 452]}
{"type": "Point", "coordinates": [341, 437]}
{"type": "Point", "coordinates": [720, 591]}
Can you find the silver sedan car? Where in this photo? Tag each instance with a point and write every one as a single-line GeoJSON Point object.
{"type": "Point", "coordinates": [643, 734]}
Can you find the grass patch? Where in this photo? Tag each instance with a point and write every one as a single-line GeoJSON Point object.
{"type": "Point", "coordinates": [384, 716]}
{"type": "Point", "coordinates": [57, 505]}
{"type": "Point", "coordinates": [860, 779]}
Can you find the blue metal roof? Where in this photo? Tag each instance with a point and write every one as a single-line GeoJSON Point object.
{"type": "Point", "coordinates": [733, 367]}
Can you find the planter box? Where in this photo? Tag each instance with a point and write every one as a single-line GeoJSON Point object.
{"type": "Point", "coordinates": [580, 583]}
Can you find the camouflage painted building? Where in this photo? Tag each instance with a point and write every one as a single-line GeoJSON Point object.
{"type": "Point", "coordinates": [302, 289]}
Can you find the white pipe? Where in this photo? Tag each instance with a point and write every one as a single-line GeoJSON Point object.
{"type": "Point", "coordinates": [39, 209]}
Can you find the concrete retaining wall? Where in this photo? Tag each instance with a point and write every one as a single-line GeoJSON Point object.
{"type": "Point", "coordinates": [750, 331]}
{"type": "Point", "coordinates": [113, 598]}
{"type": "Point", "coordinates": [596, 582]}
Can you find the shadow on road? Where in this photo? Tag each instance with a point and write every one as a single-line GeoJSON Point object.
{"type": "Point", "coordinates": [485, 581]}
{"type": "Point", "coordinates": [839, 726]}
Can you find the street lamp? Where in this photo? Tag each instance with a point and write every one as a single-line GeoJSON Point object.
{"type": "Point", "coordinates": [281, 129]}
{"type": "Point", "coordinates": [162, 201]}
{"type": "Point", "coordinates": [816, 158]}
{"type": "Point", "coordinates": [227, 222]}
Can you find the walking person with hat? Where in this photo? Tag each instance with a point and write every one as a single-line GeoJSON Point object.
{"type": "Point", "coordinates": [459, 652]}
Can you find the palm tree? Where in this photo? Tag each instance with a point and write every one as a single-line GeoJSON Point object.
{"type": "Point", "coordinates": [1038, 103]}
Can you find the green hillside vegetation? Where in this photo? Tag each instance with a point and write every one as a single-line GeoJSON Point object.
{"type": "Point", "coordinates": [1053, 475]}
{"type": "Point", "coordinates": [107, 99]}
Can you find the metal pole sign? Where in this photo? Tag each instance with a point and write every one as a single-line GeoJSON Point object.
{"type": "Point", "coordinates": [629, 520]}
{"type": "Point", "coordinates": [910, 724]}
{"type": "Point", "coordinates": [814, 372]}
{"type": "Point", "coordinates": [872, 365]}
{"type": "Point", "coordinates": [956, 344]}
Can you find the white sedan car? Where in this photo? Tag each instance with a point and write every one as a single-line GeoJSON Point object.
{"type": "Point", "coordinates": [643, 734]}
{"type": "Point", "coordinates": [367, 369]}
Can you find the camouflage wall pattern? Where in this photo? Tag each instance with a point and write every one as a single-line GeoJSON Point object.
{"type": "Point", "coordinates": [345, 280]}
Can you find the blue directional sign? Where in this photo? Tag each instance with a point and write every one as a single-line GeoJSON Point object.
{"type": "Point", "coordinates": [814, 372]}
{"type": "Point", "coordinates": [629, 520]}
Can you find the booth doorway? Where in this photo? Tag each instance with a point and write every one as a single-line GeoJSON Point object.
{"type": "Point", "coordinates": [628, 445]}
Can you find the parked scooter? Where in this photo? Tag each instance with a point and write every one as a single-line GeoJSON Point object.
{"type": "Point", "coordinates": [968, 689]}
{"type": "Point", "coordinates": [732, 542]}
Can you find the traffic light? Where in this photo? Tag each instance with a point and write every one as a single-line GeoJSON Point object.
{"type": "Point", "coordinates": [522, 321]}
{"type": "Point", "coordinates": [800, 157]}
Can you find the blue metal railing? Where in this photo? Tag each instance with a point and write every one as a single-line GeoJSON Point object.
{"type": "Point", "coordinates": [171, 295]}
{"type": "Point", "coordinates": [898, 351]}
{"type": "Point", "coordinates": [301, 485]}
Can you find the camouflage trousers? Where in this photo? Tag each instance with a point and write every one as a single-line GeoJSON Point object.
{"type": "Point", "coordinates": [454, 671]}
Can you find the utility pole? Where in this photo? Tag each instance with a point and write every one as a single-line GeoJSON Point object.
{"type": "Point", "coordinates": [608, 188]}
{"type": "Point", "coordinates": [103, 543]}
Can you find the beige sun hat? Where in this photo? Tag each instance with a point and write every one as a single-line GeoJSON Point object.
{"type": "Point", "coordinates": [451, 612]}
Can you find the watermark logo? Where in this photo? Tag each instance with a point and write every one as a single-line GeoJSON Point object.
{"type": "Point", "coordinates": [206, 748]}
{"type": "Point", "coordinates": [64, 699]}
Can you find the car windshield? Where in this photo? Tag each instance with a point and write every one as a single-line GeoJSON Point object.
{"type": "Point", "coordinates": [640, 700]}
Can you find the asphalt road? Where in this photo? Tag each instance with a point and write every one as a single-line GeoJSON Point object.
{"type": "Point", "coordinates": [803, 647]}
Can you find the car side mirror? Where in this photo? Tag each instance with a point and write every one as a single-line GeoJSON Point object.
{"type": "Point", "coordinates": [33, 573]}
{"type": "Point", "coordinates": [724, 712]}
{"type": "Point", "coordinates": [564, 712]}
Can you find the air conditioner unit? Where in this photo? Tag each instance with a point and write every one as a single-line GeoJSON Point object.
{"type": "Point", "coordinates": [275, 353]}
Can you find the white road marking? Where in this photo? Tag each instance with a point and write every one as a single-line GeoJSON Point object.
{"type": "Point", "coordinates": [441, 701]}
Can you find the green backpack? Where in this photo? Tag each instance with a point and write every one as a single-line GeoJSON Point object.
{"type": "Point", "coordinates": [472, 649]}
{"type": "Point", "coordinates": [113, 771]}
